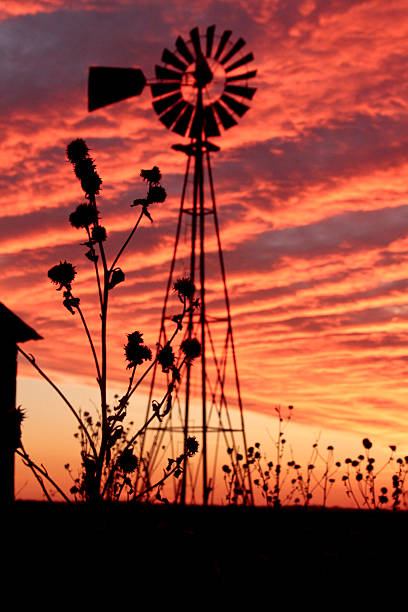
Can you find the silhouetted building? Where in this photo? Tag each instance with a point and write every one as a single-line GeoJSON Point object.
{"type": "Point", "coordinates": [13, 331]}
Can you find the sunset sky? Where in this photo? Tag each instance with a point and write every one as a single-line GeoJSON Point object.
{"type": "Point", "coordinates": [311, 191]}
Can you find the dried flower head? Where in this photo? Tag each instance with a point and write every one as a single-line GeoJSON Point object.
{"type": "Point", "coordinates": [191, 446]}
{"type": "Point", "coordinates": [98, 233]}
{"type": "Point", "coordinates": [85, 170]}
{"type": "Point", "coordinates": [166, 357]}
{"type": "Point", "coordinates": [84, 166]}
{"type": "Point", "coordinates": [127, 462]}
{"type": "Point", "coordinates": [156, 194]}
{"type": "Point", "coordinates": [84, 215]}
{"type": "Point", "coordinates": [184, 287]}
{"type": "Point", "coordinates": [62, 274]}
{"type": "Point", "coordinates": [367, 444]}
{"type": "Point", "coordinates": [152, 176]}
{"type": "Point", "coordinates": [191, 347]}
{"type": "Point", "coordinates": [77, 150]}
{"type": "Point", "coordinates": [136, 352]}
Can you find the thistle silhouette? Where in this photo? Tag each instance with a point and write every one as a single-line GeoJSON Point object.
{"type": "Point", "coordinates": [108, 443]}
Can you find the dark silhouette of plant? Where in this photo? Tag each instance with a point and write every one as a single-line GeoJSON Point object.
{"type": "Point", "coordinates": [361, 479]}
{"type": "Point", "coordinates": [281, 484]}
{"type": "Point", "coordinates": [266, 476]}
{"type": "Point", "coordinates": [107, 445]}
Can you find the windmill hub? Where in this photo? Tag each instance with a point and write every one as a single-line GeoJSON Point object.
{"type": "Point", "coordinates": [202, 72]}
{"type": "Point", "coordinates": [212, 83]}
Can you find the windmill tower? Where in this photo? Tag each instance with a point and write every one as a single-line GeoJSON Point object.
{"type": "Point", "coordinates": [201, 90]}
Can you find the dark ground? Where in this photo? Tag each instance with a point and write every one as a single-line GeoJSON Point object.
{"type": "Point", "coordinates": [291, 553]}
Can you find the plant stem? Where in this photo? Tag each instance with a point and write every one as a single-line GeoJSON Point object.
{"type": "Point", "coordinates": [29, 464]}
{"type": "Point", "coordinates": [123, 247]}
{"type": "Point", "coordinates": [31, 359]}
{"type": "Point", "coordinates": [43, 473]}
{"type": "Point", "coordinates": [158, 483]}
{"type": "Point", "coordinates": [98, 280]}
{"type": "Point", "coordinates": [98, 372]}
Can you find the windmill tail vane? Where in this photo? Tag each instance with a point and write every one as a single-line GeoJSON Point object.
{"type": "Point", "coordinates": [200, 89]}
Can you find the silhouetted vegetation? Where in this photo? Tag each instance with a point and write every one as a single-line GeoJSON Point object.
{"type": "Point", "coordinates": [281, 482]}
{"type": "Point", "coordinates": [111, 470]}
{"type": "Point", "coordinates": [107, 444]}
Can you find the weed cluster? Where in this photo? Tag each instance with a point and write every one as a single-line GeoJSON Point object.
{"type": "Point", "coordinates": [280, 483]}
{"type": "Point", "coordinates": [107, 444]}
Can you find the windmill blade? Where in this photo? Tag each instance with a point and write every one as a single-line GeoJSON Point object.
{"type": "Point", "coordinates": [241, 62]}
{"type": "Point", "coordinates": [210, 123]}
{"type": "Point", "coordinates": [237, 47]}
{"type": "Point", "coordinates": [226, 119]}
{"type": "Point", "coordinates": [159, 89]}
{"type": "Point", "coordinates": [108, 85]}
{"type": "Point", "coordinates": [244, 92]}
{"type": "Point", "coordinates": [181, 125]}
{"type": "Point", "coordinates": [167, 75]}
{"type": "Point", "coordinates": [164, 103]}
{"type": "Point", "coordinates": [184, 50]}
{"type": "Point", "coordinates": [195, 39]}
{"type": "Point", "coordinates": [169, 58]}
{"type": "Point", "coordinates": [210, 39]}
{"type": "Point", "coordinates": [238, 108]}
{"type": "Point", "coordinates": [241, 77]}
{"type": "Point", "coordinates": [222, 43]}
{"type": "Point", "coordinates": [169, 118]}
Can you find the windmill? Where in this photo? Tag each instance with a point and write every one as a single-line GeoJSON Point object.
{"type": "Point", "coordinates": [200, 90]}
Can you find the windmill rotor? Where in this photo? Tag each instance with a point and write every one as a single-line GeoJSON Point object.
{"type": "Point", "coordinates": [206, 64]}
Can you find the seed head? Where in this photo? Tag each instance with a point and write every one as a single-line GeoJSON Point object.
{"type": "Point", "coordinates": [98, 233]}
{"type": "Point", "coordinates": [127, 461]}
{"type": "Point", "coordinates": [191, 347]}
{"type": "Point", "coordinates": [191, 446]}
{"type": "Point", "coordinates": [135, 351]}
{"type": "Point", "coordinates": [62, 274]}
{"type": "Point", "coordinates": [156, 194]}
{"type": "Point", "coordinates": [166, 357]}
{"type": "Point", "coordinates": [77, 150]}
{"type": "Point", "coordinates": [84, 215]}
{"type": "Point", "coordinates": [184, 287]}
{"type": "Point", "coordinates": [151, 176]}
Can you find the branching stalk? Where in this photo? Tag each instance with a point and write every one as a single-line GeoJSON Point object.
{"type": "Point", "coordinates": [31, 359]}
{"type": "Point", "coordinates": [36, 468]}
{"type": "Point", "coordinates": [128, 239]}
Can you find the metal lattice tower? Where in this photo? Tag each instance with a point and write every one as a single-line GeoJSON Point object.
{"type": "Point", "coordinates": [201, 89]}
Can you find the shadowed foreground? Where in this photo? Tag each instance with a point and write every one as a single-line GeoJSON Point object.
{"type": "Point", "coordinates": [228, 549]}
